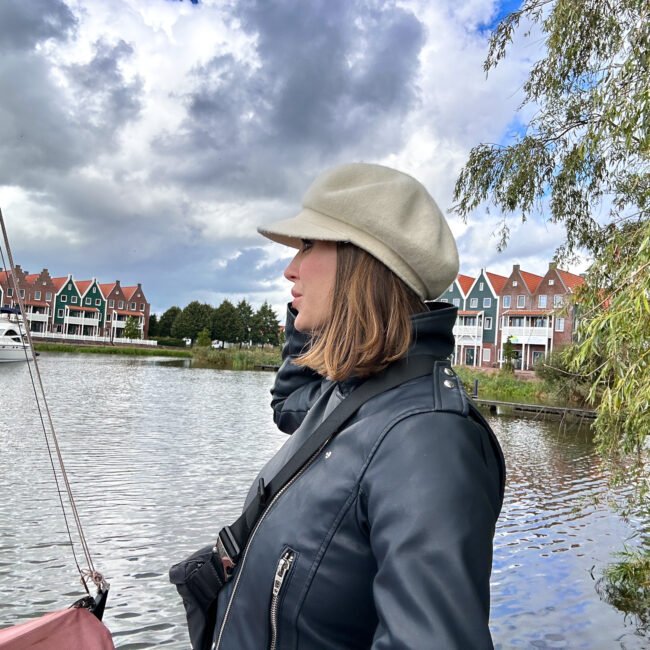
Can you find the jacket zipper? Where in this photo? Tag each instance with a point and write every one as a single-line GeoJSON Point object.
{"type": "Point", "coordinates": [217, 644]}
{"type": "Point", "coordinates": [278, 581]}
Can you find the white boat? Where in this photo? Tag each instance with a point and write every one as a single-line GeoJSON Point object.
{"type": "Point", "coordinates": [13, 341]}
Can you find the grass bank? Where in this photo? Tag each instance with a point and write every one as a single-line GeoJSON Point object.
{"type": "Point", "coordinates": [506, 387]}
{"type": "Point", "coordinates": [236, 359]}
{"type": "Point", "coordinates": [111, 349]}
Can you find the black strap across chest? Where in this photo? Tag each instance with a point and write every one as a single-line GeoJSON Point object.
{"type": "Point", "coordinates": [232, 539]}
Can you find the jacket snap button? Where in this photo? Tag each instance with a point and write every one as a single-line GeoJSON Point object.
{"type": "Point", "coordinates": [448, 371]}
{"type": "Point", "coordinates": [449, 383]}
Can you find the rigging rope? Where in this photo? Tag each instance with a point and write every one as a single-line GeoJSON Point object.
{"type": "Point", "coordinates": [90, 573]}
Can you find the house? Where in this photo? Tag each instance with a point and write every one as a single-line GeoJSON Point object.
{"type": "Point", "coordinates": [92, 307]}
{"type": "Point", "coordinates": [137, 306]}
{"type": "Point", "coordinates": [69, 315]}
{"type": "Point", "coordinates": [39, 301]}
{"type": "Point", "coordinates": [523, 322]}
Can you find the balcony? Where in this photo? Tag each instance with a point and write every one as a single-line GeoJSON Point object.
{"type": "Point", "coordinates": [527, 335]}
{"type": "Point", "coordinates": [82, 320]}
{"type": "Point", "coordinates": [468, 334]}
{"type": "Point", "coordinates": [42, 318]}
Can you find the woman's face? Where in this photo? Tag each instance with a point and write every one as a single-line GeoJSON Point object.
{"type": "Point", "coordinates": [312, 271]}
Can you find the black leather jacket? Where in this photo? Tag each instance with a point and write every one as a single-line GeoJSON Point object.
{"type": "Point", "coordinates": [385, 540]}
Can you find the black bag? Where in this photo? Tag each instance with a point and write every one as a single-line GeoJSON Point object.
{"type": "Point", "coordinates": [200, 577]}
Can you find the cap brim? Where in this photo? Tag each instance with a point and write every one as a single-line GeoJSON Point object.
{"type": "Point", "coordinates": [307, 224]}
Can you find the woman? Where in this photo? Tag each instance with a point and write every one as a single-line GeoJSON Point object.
{"type": "Point", "coordinates": [384, 539]}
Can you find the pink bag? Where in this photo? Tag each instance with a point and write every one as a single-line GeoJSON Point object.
{"type": "Point", "coordinates": [68, 629]}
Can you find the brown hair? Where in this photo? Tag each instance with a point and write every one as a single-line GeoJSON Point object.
{"type": "Point", "coordinates": [370, 322]}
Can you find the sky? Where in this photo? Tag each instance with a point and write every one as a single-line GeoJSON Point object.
{"type": "Point", "coordinates": [145, 140]}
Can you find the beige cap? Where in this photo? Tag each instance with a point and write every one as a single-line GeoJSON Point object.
{"type": "Point", "coordinates": [386, 213]}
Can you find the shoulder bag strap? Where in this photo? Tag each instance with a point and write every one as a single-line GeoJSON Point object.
{"type": "Point", "coordinates": [232, 539]}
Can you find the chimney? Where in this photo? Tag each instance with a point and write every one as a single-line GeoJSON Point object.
{"type": "Point", "coordinates": [552, 266]}
{"type": "Point", "coordinates": [515, 267]}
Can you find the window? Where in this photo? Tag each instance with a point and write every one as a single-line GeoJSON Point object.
{"type": "Point", "coordinates": [141, 306]}
{"type": "Point", "coordinates": [120, 304]}
{"type": "Point", "coordinates": [444, 300]}
{"type": "Point", "coordinates": [59, 313]}
{"type": "Point", "coordinates": [69, 287]}
{"type": "Point", "coordinates": [487, 354]}
{"type": "Point", "coordinates": [89, 301]}
{"type": "Point", "coordinates": [10, 292]}
{"type": "Point", "coordinates": [139, 295]}
{"type": "Point", "coordinates": [37, 295]}
{"type": "Point", "coordinates": [506, 302]}
{"type": "Point", "coordinates": [456, 302]}
{"type": "Point", "coordinates": [551, 283]}
{"type": "Point", "coordinates": [481, 285]}
{"type": "Point", "coordinates": [488, 324]}
{"type": "Point", "coordinates": [98, 301]}
{"type": "Point", "coordinates": [111, 304]}
{"type": "Point", "coordinates": [541, 302]}
{"type": "Point", "coordinates": [132, 307]}
{"type": "Point", "coordinates": [514, 283]}
{"type": "Point", "coordinates": [64, 298]}
{"type": "Point", "coordinates": [48, 296]}
{"type": "Point", "coordinates": [21, 292]}
{"type": "Point", "coordinates": [94, 289]}
{"type": "Point", "coordinates": [557, 300]}
{"type": "Point", "coordinates": [473, 303]}
{"type": "Point", "coordinates": [521, 302]}
{"type": "Point", "coordinates": [487, 302]}
{"type": "Point", "coordinates": [108, 317]}
{"type": "Point", "coordinates": [559, 324]}
{"type": "Point", "coordinates": [73, 300]}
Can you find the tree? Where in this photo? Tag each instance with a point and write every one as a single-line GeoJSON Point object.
{"type": "Point", "coordinates": [167, 320]}
{"type": "Point", "coordinates": [153, 326]}
{"type": "Point", "coordinates": [192, 320]}
{"type": "Point", "coordinates": [266, 326]}
{"type": "Point", "coordinates": [204, 339]}
{"type": "Point", "coordinates": [246, 316]}
{"type": "Point", "coordinates": [508, 355]}
{"type": "Point", "coordinates": [227, 324]}
{"type": "Point", "coordinates": [131, 329]}
{"type": "Point", "coordinates": [586, 148]}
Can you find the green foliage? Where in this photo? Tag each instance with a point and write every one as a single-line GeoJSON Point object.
{"type": "Point", "coordinates": [626, 585]}
{"type": "Point", "coordinates": [139, 351]}
{"type": "Point", "coordinates": [563, 384]}
{"type": "Point", "coordinates": [508, 355]}
{"type": "Point", "coordinates": [204, 340]}
{"type": "Point", "coordinates": [131, 329]}
{"type": "Point", "coordinates": [192, 320]}
{"type": "Point", "coordinates": [246, 316]}
{"type": "Point", "coordinates": [266, 326]}
{"type": "Point", "coordinates": [227, 325]}
{"type": "Point", "coordinates": [167, 320]}
{"type": "Point", "coordinates": [613, 340]}
{"type": "Point", "coordinates": [504, 386]}
{"type": "Point", "coordinates": [153, 326]}
{"type": "Point", "coordinates": [589, 138]}
{"type": "Point", "coordinates": [236, 359]}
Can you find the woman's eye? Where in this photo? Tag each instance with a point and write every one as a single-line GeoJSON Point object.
{"type": "Point", "coordinates": [306, 245]}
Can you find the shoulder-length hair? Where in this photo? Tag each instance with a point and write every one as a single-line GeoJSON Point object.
{"type": "Point", "coordinates": [370, 321]}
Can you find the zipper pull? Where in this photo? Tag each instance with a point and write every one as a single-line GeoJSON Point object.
{"type": "Point", "coordinates": [283, 567]}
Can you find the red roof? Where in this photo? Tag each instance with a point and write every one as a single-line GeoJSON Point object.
{"type": "Point", "coordinates": [465, 283]}
{"type": "Point", "coordinates": [469, 313]}
{"type": "Point", "coordinates": [497, 281]}
{"type": "Point", "coordinates": [571, 280]}
{"type": "Point", "coordinates": [82, 285]}
{"type": "Point", "coordinates": [532, 281]}
{"type": "Point", "coordinates": [123, 312]}
{"type": "Point", "coordinates": [32, 277]}
{"type": "Point", "coordinates": [59, 282]}
{"type": "Point", "coordinates": [77, 308]}
{"type": "Point", "coordinates": [128, 292]}
{"type": "Point", "coordinates": [107, 288]}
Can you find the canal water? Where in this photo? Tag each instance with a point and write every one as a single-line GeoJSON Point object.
{"type": "Point", "coordinates": [161, 455]}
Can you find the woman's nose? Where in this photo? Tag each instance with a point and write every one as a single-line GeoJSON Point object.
{"type": "Point", "coordinates": [291, 272]}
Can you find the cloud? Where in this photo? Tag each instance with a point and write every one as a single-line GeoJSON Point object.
{"type": "Point", "coordinates": [144, 141]}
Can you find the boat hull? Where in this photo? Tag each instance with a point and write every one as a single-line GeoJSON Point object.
{"type": "Point", "coordinates": [11, 353]}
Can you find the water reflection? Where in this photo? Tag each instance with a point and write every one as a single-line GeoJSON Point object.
{"type": "Point", "coordinates": [161, 453]}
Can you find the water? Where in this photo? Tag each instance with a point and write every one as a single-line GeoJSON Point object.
{"type": "Point", "coordinates": [161, 455]}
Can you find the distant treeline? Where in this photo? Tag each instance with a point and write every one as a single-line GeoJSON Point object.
{"type": "Point", "coordinates": [226, 323]}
